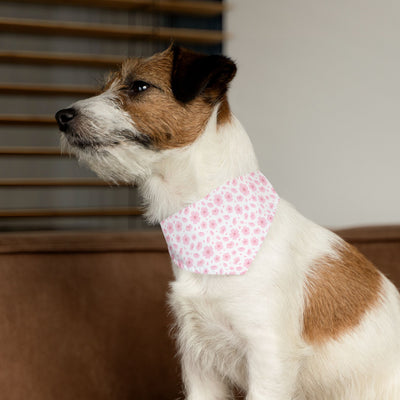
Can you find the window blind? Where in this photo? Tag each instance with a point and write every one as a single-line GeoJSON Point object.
{"type": "Point", "coordinates": [52, 53]}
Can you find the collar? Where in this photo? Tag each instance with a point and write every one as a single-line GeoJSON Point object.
{"type": "Point", "coordinates": [222, 233]}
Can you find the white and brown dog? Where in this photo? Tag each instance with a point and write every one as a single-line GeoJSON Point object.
{"type": "Point", "coordinates": [311, 318]}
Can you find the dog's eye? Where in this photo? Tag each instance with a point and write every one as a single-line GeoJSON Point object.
{"type": "Point", "coordinates": [138, 87]}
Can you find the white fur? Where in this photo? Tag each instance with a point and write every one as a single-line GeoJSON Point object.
{"type": "Point", "coordinates": [247, 330]}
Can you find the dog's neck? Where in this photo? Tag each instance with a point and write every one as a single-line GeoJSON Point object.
{"type": "Point", "coordinates": [183, 176]}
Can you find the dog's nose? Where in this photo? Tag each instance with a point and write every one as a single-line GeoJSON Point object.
{"type": "Point", "coordinates": [64, 117]}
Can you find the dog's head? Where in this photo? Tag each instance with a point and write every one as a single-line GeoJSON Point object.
{"type": "Point", "coordinates": [150, 106]}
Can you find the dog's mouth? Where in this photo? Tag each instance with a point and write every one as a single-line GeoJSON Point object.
{"type": "Point", "coordinates": [82, 143]}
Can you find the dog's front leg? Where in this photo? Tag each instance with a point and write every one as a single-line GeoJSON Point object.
{"type": "Point", "coordinates": [272, 371]}
{"type": "Point", "coordinates": [202, 383]}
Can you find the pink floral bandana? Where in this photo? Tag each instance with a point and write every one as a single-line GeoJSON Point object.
{"type": "Point", "coordinates": [222, 233]}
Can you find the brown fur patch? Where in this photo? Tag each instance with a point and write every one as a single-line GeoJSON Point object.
{"type": "Point", "coordinates": [156, 113]}
{"type": "Point", "coordinates": [224, 112]}
{"type": "Point", "coordinates": [339, 291]}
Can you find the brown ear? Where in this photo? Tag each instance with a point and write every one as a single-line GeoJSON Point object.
{"type": "Point", "coordinates": [194, 74]}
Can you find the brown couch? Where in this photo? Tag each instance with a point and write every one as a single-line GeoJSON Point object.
{"type": "Point", "coordinates": [83, 315]}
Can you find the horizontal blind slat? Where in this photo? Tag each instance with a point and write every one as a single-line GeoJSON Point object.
{"type": "Point", "coordinates": [42, 58]}
{"type": "Point", "coordinates": [195, 36]}
{"type": "Point", "coordinates": [30, 120]}
{"type": "Point", "coordinates": [47, 90]}
{"type": "Point", "coordinates": [76, 212]}
{"type": "Point", "coordinates": [188, 7]}
{"type": "Point", "coordinates": [31, 151]}
{"type": "Point", "coordinates": [59, 182]}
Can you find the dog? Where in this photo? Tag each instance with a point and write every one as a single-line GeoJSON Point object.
{"type": "Point", "coordinates": [305, 316]}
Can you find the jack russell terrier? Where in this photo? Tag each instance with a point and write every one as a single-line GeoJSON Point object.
{"type": "Point", "coordinates": [264, 299]}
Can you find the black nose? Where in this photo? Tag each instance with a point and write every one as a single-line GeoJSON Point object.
{"type": "Point", "coordinates": [64, 117]}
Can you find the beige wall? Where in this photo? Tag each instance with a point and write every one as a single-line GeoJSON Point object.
{"type": "Point", "coordinates": [318, 90]}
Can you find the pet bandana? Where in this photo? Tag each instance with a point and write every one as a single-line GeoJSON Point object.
{"type": "Point", "coordinates": [222, 233]}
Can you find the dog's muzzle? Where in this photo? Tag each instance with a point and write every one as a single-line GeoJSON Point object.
{"type": "Point", "coordinates": [64, 118]}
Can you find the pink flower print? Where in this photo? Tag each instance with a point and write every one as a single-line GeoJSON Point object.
{"type": "Point", "coordinates": [194, 237]}
{"type": "Point", "coordinates": [218, 200]}
{"type": "Point", "coordinates": [200, 263]}
{"type": "Point", "coordinates": [270, 218]}
{"type": "Point", "coordinates": [178, 226]}
{"type": "Point", "coordinates": [262, 222]}
{"type": "Point", "coordinates": [229, 209]}
{"type": "Point", "coordinates": [199, 246]}
{"type": "Point", "coordinates": [186, 240]}
{"type": "Point", "coordinates": [257, 231]}
{"type": "Point", "coordinates": [214, 267]}
{"type": "Point", "coordinates": [246, 230]}
{"type": "Point", "coordinates": [191, 246]}
{"type": "Point", "coordinates": [189, 263]}
{"type": "Point", "coordinates": [186, 211]}
{"type": "Point", "coordinates": [196, 255]}
{"type": "Point", "coordinates": [238, 209]}
{"type": "Point", "coordinates": [241, 249]}
{"type": "Point", "coordinates": [234, 182]}
{"type": "Point", "coordinates": [204, 212]}
{"type": "Point", "coordinates": [177, 238]}
{"type": "Point", "coordinates": [236, 260]}
{"type": "Point", "coordinates": [195, 217]}
{"type": "Point", "coordinates": [254, 197]}
{"type": "Point", "coordinates": [234, 234]}
{"type": "Point", "coordinates": [217, 259]}
{"type": "Point", "coordinates": [228, 196]}
{"type": "Point", "coordinates": [226, 217]}
{"type": "Point", "coordinates": [222, 229]}
{"type": "Point", "coordinates": [254, 241]}
{"type": "Point", "coordinates": [219, 246]}
{"type": "Point", "coordinates": [245, 242]}
{"type": "Point", "coordinates": [226, 257]}
{"type": "Point", "coordinates": [263, 180]}
{"type": "Point", "coordinates": [240, 198]}
{"type": "Point", "coordinates": [210, 205]}
{"type": "Point", "coordinates": [184, 220]}
{"type": "Point", "coordinates": [213, 224]}
{"type": "Point", "coordinates": [252, 186]}
{"type": "Point", "coordinates": [253, 215]}
{"type": "Point", "coordinates": [215, 211]}
{"type": "Point", "coordinates": [244, 189]}
{"type": "Point", "coordinates": [203, 225]}
{"type": "Point", "coordinates": [188, 228]}
{"type": "Point", "coordinates": [208, 252]}
{"type": "Point", "coordinates": [230, 245]}
{"type": "Point", "coordinates": [170, 227]}
{"type": "Point", "coordinates": [247, 263]}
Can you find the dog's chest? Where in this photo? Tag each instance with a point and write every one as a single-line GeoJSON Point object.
{"type": "Point", "coordinates": [206, 330]}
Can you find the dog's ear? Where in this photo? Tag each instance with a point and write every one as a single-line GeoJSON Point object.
{"type": "Point", "coordinates": [194, 74]}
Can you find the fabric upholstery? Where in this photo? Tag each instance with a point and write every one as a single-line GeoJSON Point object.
{"type": "Point", "coordinates": [84, 315]}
